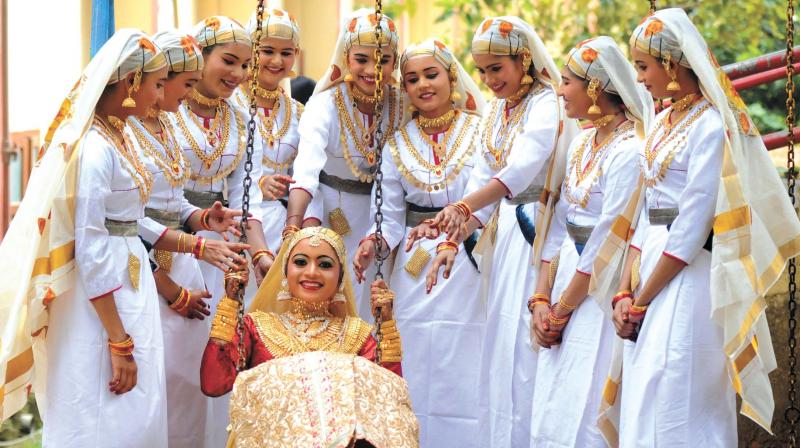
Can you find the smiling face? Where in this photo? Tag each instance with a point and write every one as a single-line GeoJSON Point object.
{"type": "Point", "coordinates": [151, 90]}
{"type": "Point", "coordinates": [501, 74]}
{"type": "Point", "coordinates": [313, 272]}
{"type": "Point", "coordinates": [573, 91]}
{"type": "Point", "coordinates": [651, 73]}
{"type": "Point", "coordinates": [176, 88]}
{"type": "Point", "coordinates": [225, 68]}
{"type": "Point", "coordinates": [275, 60]}
{"type": "Point", "coordinates": [361, 63]}
{"type": "Point", "coordinates": [428, 85]}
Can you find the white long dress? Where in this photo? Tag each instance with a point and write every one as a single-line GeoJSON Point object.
{"type": "Point", "coordinates": [675, 387]}
{"type": "Point", "coordinates": [570, 376]}
{"type": "Point", "coordinates": [328, 129]}
{"type": "Point", "coordinates": [442, 331]}
{"type": "Point", "coordinates": [183, 338]}
{"type": "Point", "coordinates": [222, 175]}
{"type": "Point", "coordinates": [80, 410]}
{"type": "Point", "coordinates": [509, 363]}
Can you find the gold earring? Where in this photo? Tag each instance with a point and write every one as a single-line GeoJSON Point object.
{"type": "Point", "coordinates": [526, 65]}
{"type": "Point", "coordinates": [129, 102]}
{"type": "Point", "coordinates": [348, 78]}
{"type": "Point", "coordinates": [283, 293]}
{"type": "Point", "coordinates": [292, 74]}
{"type": "Point", "coordinates": [673, 85]}
{"type": "Point", "coordinates": [339, 296]}
{"type": "Point", "coordinates": [412, 108]}
{"type": "Point", "coordinates": [592, 91]}
{"type": "Point", "coordinates": [454, 96]}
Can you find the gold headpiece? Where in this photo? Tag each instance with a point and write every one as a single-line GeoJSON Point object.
{"type": "Point", "coordinates": [317, 234]}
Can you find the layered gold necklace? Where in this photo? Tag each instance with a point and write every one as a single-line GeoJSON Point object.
{"type": "Point", "coordinates": [268, 120]}
{"type": "Point", "coordinates": [510, 126]}
{"type": "Point", "coordinates": [170, 159]}
{"type": "Point", "coordinates": [139, 173]}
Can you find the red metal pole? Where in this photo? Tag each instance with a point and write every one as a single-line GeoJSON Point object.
{"type": "Point", "coordinates": [779, 139]}
{"type": "Point", "coordinates": [765, 77]}
{"type": "Point", "coordinates": [759, 64]}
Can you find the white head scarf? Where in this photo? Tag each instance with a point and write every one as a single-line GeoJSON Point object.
{"type": "Point", "coordinates": [600, 58]}
{"type": "Point", "coordinates": [357, 28]}
{"type": "Point", "coordinates": [37, 254]}
{"type": "Point", "coordinates": [182, 51]}
{"type": "Point", "coordinates": [217, 30]}
{"type": "Point", "coordinates": [510, 36]}
{"type": "Point", "coordinates": [276, 23]}
{"type": "Point", "coordinates": [756, 229]}
{"type": "Point", "coordinates": [470, 97]}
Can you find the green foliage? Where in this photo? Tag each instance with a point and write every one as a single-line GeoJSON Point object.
{"type": "Point", "coordinates": [734, 29]}
{"type": "Point", "coordinates": [15, 427]}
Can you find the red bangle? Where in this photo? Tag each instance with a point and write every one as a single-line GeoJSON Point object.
{"type": "Point", "coordinates": [621, 295]}
{"type": "Point", "coordinates": [124, 348]}
{"type": "Point", "coordinates": [199, 245]}
{"type": "Point", "coordinates": [204, 220]}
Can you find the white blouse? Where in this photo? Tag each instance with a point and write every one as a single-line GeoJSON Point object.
{"type": "Point", "coordinates": [170, 170]}
{"type": "Point", "coordinates": [323, 145]}
{"type": "Point", "coordinates": [685, 174]}
{"type": "Point", "coordinates": [225, 172]}
{"type": "Point", "coordinates": [106, 189]}
{"type": "Point", "coordinates": [528, 155]}
{"type": "Point", "coordinates": [595, 190]}
{"type": "Point", "coordinates": [412, 173]}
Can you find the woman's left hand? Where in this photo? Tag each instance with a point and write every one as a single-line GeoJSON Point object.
{"type": "Point", "coordinates": [382, 297]}
{"type": "Point", "coordinates": [236, 279]}
{"type": "Point", "coordinates": [223, 219]}
{"type": "Point", "coordinates": [444, 258]}
{"type": "Point", "coordinates": [262, 267]}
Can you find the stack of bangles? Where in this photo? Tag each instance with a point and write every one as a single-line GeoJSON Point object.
{"type": "Point", "coordinates": [626, 294]}
{"type": "Point", "coordinates": [462, 208]}
{"type": "Point", "coordinates": [537, 299]}
{"type": "Point", "coordinates": [637, 311]}
{"type": "Point", "coordinates": [223, 327]}
{"type": "Point", "coordinates": [391, 347]}
{"type": "Point", "coordinates": [239, 276]}
{"type": "Point", "coordinates": [124, 348]}
{"type": "Point", "coordinates": [447, 245]}
{"type": "Point", "coordinates": [554, 319]}
{"type": "Point", "coordinates": [204, 220]}
{"type": "Point", "coordinates": [199, 247]}
{"type": "Point", "coordinates": [261, 253]}
{"type": "Point", "coordinates": [181, 302]}
{"type": "Point", "coordinates": [289, 230]}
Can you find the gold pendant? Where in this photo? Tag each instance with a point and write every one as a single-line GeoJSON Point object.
{"type": "Point", "coordinates": [635, 275]}
{"type": "Point", "coordinates": [339, 222]}
{"type": "Point", "coordinates": [133, 270]}
{"type": "Point", "coordinates": [163, 259]}
{"type": "Point", "coordinates": [416, 264]}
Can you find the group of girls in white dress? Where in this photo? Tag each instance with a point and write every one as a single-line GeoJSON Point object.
{"type": "Point", "coordinates": [555, 286]}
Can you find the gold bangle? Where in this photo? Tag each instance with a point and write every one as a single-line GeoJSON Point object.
{"type": "Point", "coordinates": [565, 305]}
{"type": "Point", "coordinates": [637, 309]}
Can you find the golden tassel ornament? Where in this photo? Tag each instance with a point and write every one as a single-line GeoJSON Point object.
{"type": "Point", "coordinates": [134, 268]}
{"type": "Point", "coordinates": [339, 222]}
{"type": "Point", "coordinates": [163, 259]}
{"type": "Point", "coordinates": [416, 264]}
{"type": "Point", "coordinates": [551, 274]}
{"type": "Point", "coordinates": [635, 274]}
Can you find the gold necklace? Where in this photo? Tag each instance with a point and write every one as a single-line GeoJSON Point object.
{"type": "Point", "coordinates": [592, 170]}
{"type": "Point", "coordinates": [203, 100]}
{"type": "Point", "coordinates": [509, 128]}
{"type": "Point", "coordinates": [521, 92]}
{"type": "Point", "coordinates": [440, 147]}
{"type": "Point", "coordinates": [268, 121]}
{"type": "Point", "coordinates": [669, 134]}
{"type": "Point", "coordinates": [268, 94]}
{"type": "Point", "coordinates": [446, 119]}
{"type": "Point", "coordinates": [171, 161]}
{"type": "Point", "coordinates": [360, 96]}
{"type": "Point", "coordinates": [437, 170]}
{"type": "Point", "coordinates": [280, 336]}
{"type": "Point", "coordinates": [684, 103]}
{"type": "Point", "coordinates": [139, 173]}
{"type": "Point", "coordinates": [346, 127]}
{"type": "Point", "coordinates": [221, 119]}
{"type": "Point", "coordinates": [603, 121]}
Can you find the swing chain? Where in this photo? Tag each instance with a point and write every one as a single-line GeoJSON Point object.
{"type": "Point", "coordinates": [792, 413]}
{"type": "Point", "coordinates": [378, 176]}
{"type": "Point", "coordinates": [248, 181]}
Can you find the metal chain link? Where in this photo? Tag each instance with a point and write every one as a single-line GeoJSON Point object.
{"type": "Point", "coordinates": [378, 175]}
{"type": "Point", "coordinates": [248, 180]}
{"type": "Point", "coordinates": [792, 413]}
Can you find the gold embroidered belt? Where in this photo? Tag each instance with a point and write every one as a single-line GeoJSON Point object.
{"type": "Point", "coordinates": [662, 216]}
{"type": "Point", "coordinates": [345, 185]}
{"type": "Point", "coordinates": [203, 199]}
{"type": "Point", "coordinates": [121, 228]}
{"type": "Point", "coordinates": [527, 196]}
{"type": "Point", "coordinates": [415, 214]}
{"type": "Point", "coordinates": [171, 220]}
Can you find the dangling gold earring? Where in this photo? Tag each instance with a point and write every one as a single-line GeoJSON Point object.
{"type": "Point", "coordinates": [592, 91]}
{"type": "Point", "coordinates": [526, 65]}
{"type": "Point", "coordinates": [412, 108]}
{"type": "Point", "coordinates": [348, 78]}
{"type": "Point", "coordinates": [673, 85]}
{"type": "Point", "coordinates": [283, 293]}
{"type": "Point", "coordinates": [292, 74]}
{"type": "Point", "coordinates": [339, 296]}
{"type": "Point", "coordinates": [129, 102]}
{"type": "Point", "coordinates": [454, 96]}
